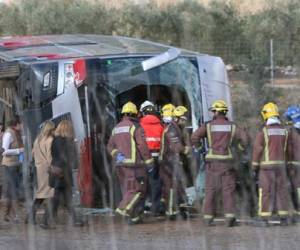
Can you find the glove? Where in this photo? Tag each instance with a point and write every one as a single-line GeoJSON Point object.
{"type": "Point", "coordinates": [21, 157]}
{"type": "Point", "coordinates": [150, 168]}
{"type": "Point", "coordinates": [120, 158]}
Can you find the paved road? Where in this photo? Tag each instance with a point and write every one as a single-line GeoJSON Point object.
{"type": "Point", "coordinates": [110, 233]}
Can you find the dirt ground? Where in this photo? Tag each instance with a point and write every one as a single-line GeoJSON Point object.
{"type": "Point", "coordinates": [107, 232]}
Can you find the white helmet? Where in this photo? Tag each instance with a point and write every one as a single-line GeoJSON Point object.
{"type": "Point", "coordinates": [146, 104]}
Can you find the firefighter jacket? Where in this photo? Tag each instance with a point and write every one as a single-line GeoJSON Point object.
{"type": "Point", "coordinates": [153, 131]}
{"type": "Point", "coordinates": [270, 147]}
{"type": "Point", "coordinates": [173, 142]}
{"type": "Point", "coordinates": [128, 139]}
{"type": "Point", "coordinates": [294, 147]}
{"type": "Point", "coordinates": [220, 134]}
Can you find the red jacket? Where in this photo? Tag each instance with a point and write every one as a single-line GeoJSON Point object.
{"type": "Point", "coordinates": [153, 131]}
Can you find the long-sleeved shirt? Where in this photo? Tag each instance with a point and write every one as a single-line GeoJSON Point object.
{"type": "Point", "coordinates": [6, 142]}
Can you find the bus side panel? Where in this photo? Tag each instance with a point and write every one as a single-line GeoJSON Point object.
{"type": "Point", "coordinates": [214, 83]}
{"type": "Point", "coordinates": [69, 103]}
{"type": "Point", "coordinates": [85, 172]}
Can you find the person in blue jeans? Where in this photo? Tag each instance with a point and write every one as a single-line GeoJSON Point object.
{"type": "Point", "coordinates": [13, 146]}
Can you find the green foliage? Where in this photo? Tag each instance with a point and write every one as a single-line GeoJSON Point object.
{"type": "Point", "coordinates": [227, 30]}
{"type": "Point", "coordinates": [280, 22]}
{"type": "Point", "coordinates": [218, 29]}
{"type": "Point", "coordinates": [55, 17]}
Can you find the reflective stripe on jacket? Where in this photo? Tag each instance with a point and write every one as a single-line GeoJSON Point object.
{"type": "Point", "coordinates": [270, 146]}
{"type": "Point", "coordinates": [128, 139]}
{"type": "Point", "coordinates": [220, 133]}
{"type": "Point", "coordinates": [172, 141]}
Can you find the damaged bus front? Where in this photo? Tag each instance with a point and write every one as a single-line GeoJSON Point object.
{"type": "Point", "coordinates": [91, 85]}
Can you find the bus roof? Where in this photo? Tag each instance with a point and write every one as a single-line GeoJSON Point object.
{"type": "Point", "coordinates": [55, 47]}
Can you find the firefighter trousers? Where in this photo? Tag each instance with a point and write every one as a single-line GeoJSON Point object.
{"type": "Point", "coordinates": [173, 190]}
{"type": "Point", "coordinates": [273, 186]}
{"type": "Point", "coordinates": [219, 177]}
{"type": "Point", "coordinates": [155, 185]}
{"type": "Point", "coordinates": [133, 182]}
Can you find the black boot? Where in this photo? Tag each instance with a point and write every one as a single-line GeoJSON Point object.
{"type": "Point", "coordinates": [284, 222]}
{"type": "Point", "coordinates": [231, 222]}
{"type": "Point", "coordinates": [209, 222]}
{"type": "Point", "coordinates": [135, 220]}
{"type": "Point", "coordinates": [172, 217]}
{"type": "Point", "coordinates": [7, 210]}
{"type": "Point", "coordinates": [183, 213]}
{"type": "Point", "coordinates": [295, 219]}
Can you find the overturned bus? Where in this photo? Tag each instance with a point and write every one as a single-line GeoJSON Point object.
{"type": "Point", "coordinates": [87, 78]}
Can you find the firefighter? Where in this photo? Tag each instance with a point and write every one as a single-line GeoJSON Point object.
{"type": "Point", "coordinates": [293, 116]}
{"type": "Point", "coordinates": [167, 113]}
{"type": "Point", "coordinates": [173, 145]}
{"type": "Point", "coordinates": [128, 148]}
{"type": "Point", "coordinates": [221, 134]}
{"type": "Point", "coordinates": [153, 132]}
{"type": "Point", "coordinates": [269, 157]}
{"type": "Point", "coordinates": [181, 118]}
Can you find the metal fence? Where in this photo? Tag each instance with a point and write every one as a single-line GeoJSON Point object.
{"type": "Point", "coordinates": [278, 59]}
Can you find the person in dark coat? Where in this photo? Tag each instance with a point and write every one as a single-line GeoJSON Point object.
{"type": "Point", "coordinates": [64, 160]}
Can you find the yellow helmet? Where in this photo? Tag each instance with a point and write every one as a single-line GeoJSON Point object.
{"type": "Point", "coordinates": [180, 111]}
{"type": "Point", "coordinates": [167, 110]}
{"type": "Point", "coordinates": [219, 106]}
{"type": "Point", "coordinates": [269, 110]}
{"type": "Point", "coordinates": [129, 108]}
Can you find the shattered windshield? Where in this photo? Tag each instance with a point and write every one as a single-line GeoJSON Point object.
{"type": "Point", "coordinates": [180, 74]}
